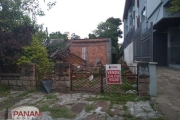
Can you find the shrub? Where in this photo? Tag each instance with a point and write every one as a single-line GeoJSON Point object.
{"type": "Point", "coordinates": [36, 53]}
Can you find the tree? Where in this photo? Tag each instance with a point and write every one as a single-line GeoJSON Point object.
{"type": "Point", "coordinates": [26, 7]}
{"type": "Point", "coordinates": [36, 53]}
{"type": "Point", "coordinates": [74, 36]}
{"type": "Point", "coordinates": [17, 24]}
{"type": "Point", "coordinates": [109, 29]}
{"type": "Point", "coordinates": [175, 5]}
{"type": "Point", "coordinates": [15, 13]}
{"type": "Point", "coordinates": [60, 40]}
{"type": "Point", "coordinates": [58, 35]}
{"type": "Point", "coordinates": [92, 36]}
{"type": "Point", "coordinates": [11, 45]}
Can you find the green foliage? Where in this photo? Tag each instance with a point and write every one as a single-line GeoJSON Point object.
{"type": "Point", "coordinates": [175, 5]}
{"type": "Point", "coordinates": [61, 112]}
{"type": "Point", "coordinates": [36, 53]}
{"type": "Point", "coordinates": [115, 98]}
{"type": "Point", "coordinates": [126, 86]}
{"type": "Point", "coordinates": [4, 90]}
{"type": "Point", "coordinates": [15, 13]}
{"type": "Point", "coordinates": [42, 37]}
{"type": "Point", "coordinates": [109, 29]}
{"type": "Point", "coordinates": [92, 36]}
{"type": "Point", "coordinates": [74, 36]}
{"type": "Point", "coordinates": [89, 107]}
{"type": "Point", "coordinates": [59, 41]}
{"type": "Point", "coordinates": [51, 96]}
{"type": "Point", "coordinates": [26, 93]}
{"type": "Point", "coordinates": [17, 24]}
{"type": "Point", "coordinates": [58, 35]}
{"type": "Point", "coordinates": [30, 7]}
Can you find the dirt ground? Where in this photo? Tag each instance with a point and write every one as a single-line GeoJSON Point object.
{"type": "Point", "coordinates": [82, 106]}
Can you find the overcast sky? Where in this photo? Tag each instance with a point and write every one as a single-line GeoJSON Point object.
{"type": "Point", "coordinates": [81, 16]}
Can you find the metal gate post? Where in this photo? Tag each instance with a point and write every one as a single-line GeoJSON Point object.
{"type": "Point", "coordinates": [137, 78]}
{"type": "Point", "coordinates": [101, 73]}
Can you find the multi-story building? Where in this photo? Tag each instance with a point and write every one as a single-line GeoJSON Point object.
{"type": "Point", "coordinates": [151, 33]}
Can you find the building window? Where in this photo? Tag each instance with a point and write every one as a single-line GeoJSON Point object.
{"type": "Point", "coordinates": [143, 14]}
{"type": "Point", "coordinates": [84, 53]}
{"type": "Point", "coordinates": [138, 22]}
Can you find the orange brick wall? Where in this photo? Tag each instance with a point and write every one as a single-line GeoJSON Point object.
{"type": "Point", "coordinates": [94, 50]}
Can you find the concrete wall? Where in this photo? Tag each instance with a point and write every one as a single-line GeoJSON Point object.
{"type": "Point", "coordinates": [128, 54]}
{"type": "Point", "coordinates": [27, 79]}
{"type": "Point", "coordinates": [151, 6]}
{"type": "Point", "coordinates": [128, 57]}
{"type": "Point", "coordinates": [95, 48]}
{"type": "Point", "coordinates": [159, 11]}
{"type": "Point", "coordinates": [156, 16]}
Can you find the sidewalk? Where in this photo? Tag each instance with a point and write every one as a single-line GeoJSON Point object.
{"type": "Point", "coordinates": [168, 99]}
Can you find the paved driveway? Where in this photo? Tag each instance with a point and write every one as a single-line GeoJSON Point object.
{"type": "Point", "coordinates": [168, 100]}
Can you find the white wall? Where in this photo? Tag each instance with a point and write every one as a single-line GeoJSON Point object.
{"type": "Point", "coordinates": [128, 57]}
{"type": "Point", "coordinates": [156, 16]}
{"type": "Point", "coordinates": [151, 6]}
{"type": "Point", "coordinates": [128, 54]}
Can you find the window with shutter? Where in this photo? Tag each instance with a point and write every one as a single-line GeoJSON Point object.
{"type": "Point", "coordinates": [84, 53]}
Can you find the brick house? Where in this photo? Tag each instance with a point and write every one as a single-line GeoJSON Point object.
{"type": "Point", "coordinates": [92, 49]}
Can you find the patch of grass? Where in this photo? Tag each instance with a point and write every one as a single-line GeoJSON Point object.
{"type": "Point", "coordinates": [125, 108]}
{"type": "Point", "coordinates": [26, 93]}
{"type": "Point", "coordinates": [126, 86]}
{"type": "Point", "coordinates": [159, 118]}
{"type": "Point", "coordinates": [58, 112]}
{"type": "Point", "coordinates": [89, 107]}
{"type": "Point", "coordinates": [152, 106]}
{"type": "Point", "coordinates": [94, 82]}
{"type": "Point", "coordinates": [146, 98]}
{"type": "Point", "coordinates": [109, 109]}
{"type": "Point", "coordinates": [8, 106]}
{"type": "Point", "coordinates": [4, 90]}
{"type": "Point", "coordinates": [128, 115]}
{"type": "Point", "coordinates": [7, 100]}
{"type": "Point", "coordinates": [118, 98]}
{"type": "Point", "coordinates": [39, 101]}
{"type": "Point", "coordinates": [51, 96]}
{"type": "Point", "coordinates": [114, 98]}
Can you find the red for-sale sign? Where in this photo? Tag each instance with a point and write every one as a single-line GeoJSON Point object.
{"type": "Point", "coordinates": [113, 74]}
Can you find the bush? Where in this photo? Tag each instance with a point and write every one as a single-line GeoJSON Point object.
{"type": "Point", "coordinates": [36, 53]}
